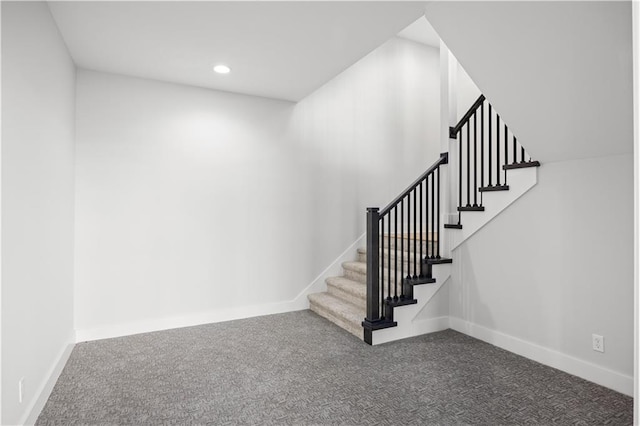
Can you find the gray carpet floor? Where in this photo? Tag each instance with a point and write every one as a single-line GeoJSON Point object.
{"type": "Point", "coordinates": [298, 368]}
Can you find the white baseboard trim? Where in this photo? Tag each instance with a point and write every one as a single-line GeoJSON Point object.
{"type": "Point", "coordinates": [298, 303]}
{"type": "Point", "coordinates": [608, 378]}
{"type": "Point", "coordinates": [46, 387]}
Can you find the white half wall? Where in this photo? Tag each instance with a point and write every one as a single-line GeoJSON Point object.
{"type": "Point", "coordinates": [555, 268]}
{"type": "Point", "coordinates": [38, 102]}
{"type": "Point", "coordinates": [196, 205]}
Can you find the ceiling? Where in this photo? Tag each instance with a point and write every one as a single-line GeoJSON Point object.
{"type": "Point", "coordinates": [282, 50]}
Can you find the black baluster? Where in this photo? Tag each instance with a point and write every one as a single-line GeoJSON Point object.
{"type": "Point", "coordinates": [438, 216]}
{"type": "Point", "coordinates": [489, 142]}
{"type": "Point", "coordinates": [420, 203]}
{"type": "Point", "coordinates": [468, 165]}
{"type": "Point", "coordinates": [481, 152]}
{"type": "Point", "coordinates": [395, 250]}
{"type": "Point", "coordinates": [382, 267]}
{"type": "Point", "coordinates": [506, 151]}
{"type": "Point", "coordinates": [498, 150]}
{"type": "Point", "coordinates": [459, 174]}
{"type": "Point", "coordinates": [389, 260]}
{"type": "Point", "coordinates": [432, 214]}
{"type": "Point", "coordinates": [426, 213]}
{"type": "Point", "coordinates": [415, 240]}
{"type": "Point", "coordinates": [515, 151]}
{"type": "Point", "coordinates": [408, 278]}
{"type": "Point", "coordinates": [475, 161]}
{"type": "Point", "coordinates": [401, 243]}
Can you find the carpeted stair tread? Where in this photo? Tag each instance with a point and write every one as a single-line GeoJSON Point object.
{"type": "Point", "coordinates": [349, 290]}
{"type": "Point", "coordinates": [344, 314]}
{"type": "Point", "coordinates": [406, 254]}
{"type": "Point", "coordinates": [355, 266]}
{"type": "Point", "coordinates": [357, 271]}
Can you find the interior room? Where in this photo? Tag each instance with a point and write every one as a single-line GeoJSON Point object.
{"type": "Point", "coordinates": [368, 212]}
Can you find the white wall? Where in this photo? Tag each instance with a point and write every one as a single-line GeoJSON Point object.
{"type": "Point", "coordinates": [38, 84]}
{"type": "Point", "coordinates": [466, 90]}
{"type": "Point", "coordinates": [557, 266]}
{"type": "Point", "coordinates": [559, 73]}
{"type": "Point", "coordinates": [192, 203]}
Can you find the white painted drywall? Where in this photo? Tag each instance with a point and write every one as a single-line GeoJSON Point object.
{"type": "Point", "coordinates": [557, 265]}
{"type": "Point", "coordinates": [467, 92]}
{"type": "Point", "coordinates": [559, 73]}
{"type": "Point", "coordinates": [38, 86]}
{"type": "Point", "coordinates": [193, 201]}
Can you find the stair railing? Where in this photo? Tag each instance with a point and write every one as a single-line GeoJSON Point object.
{"type": "Point", "coordinates": [391, 271]}
{"type": "Point", "coordinates": [484, 152]}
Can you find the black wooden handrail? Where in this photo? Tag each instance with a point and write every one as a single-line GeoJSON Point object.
{"type": "Point", "coordinates": [444, 159]}
{"type": "Point", "coordinates": [453, 131]}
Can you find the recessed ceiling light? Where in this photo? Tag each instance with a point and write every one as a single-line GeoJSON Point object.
{"type": "Point", "coordinates": [222, 69]}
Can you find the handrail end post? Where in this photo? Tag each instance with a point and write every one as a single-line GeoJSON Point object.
{"type": "Point", "coordinates": [373, 264]}
{"type": "Point", "coordinates": [444, 158]}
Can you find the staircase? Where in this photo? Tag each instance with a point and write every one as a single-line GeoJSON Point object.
{"type": "Point", "coordinates": [381, 294]}
{"type": "Point", "coordinates": [345, 301]}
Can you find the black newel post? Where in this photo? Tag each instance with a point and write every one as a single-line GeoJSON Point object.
{"type": "Point", "coordinates": [373, 271]}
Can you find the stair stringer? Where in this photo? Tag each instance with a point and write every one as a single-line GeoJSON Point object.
{"type": "Point", "coordinates": [519, 180]}
{"type": "Point", "coordinates": [409, 324]}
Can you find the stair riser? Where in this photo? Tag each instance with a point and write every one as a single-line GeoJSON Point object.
{"type": "Point", "coordinates": [351, 327]}
{"type": "Point", "coordinates": [362, 278]}
{"type": "Point", "coordinates": [349, 297]}
{"type": "Point", "coordinates": [357, 300]}
{"type": "Point", "coordinates": [385, 261]}
{"type": "Point", "coordinates": [355, 276]}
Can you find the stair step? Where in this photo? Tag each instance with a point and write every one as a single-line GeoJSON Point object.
{"type": "Point", "coordinates": [359, 267]}
{"type": "Point", "coordinates": [351, 291]}
{"type": "Point", "coordinates": [439, 261]}
{"type": "Point", "coordinates": [408, 243]}
{"type": "Point", "coordinates": [471, 209]}
{"type": "Point", "coordinates": [494, 188]}
{"type": "Point", "coordinates": [344, 314]}
{"type": "Point", "coordinates": [452, 226]}
{"type": "Point", "coordinates": [521, 165]}
{"type": "Point", "coordinates": [357, 271]}
{"type": "Point", "coordinates": [400, 302]}
{"type": "Point", "coordinates": [384, 256]}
